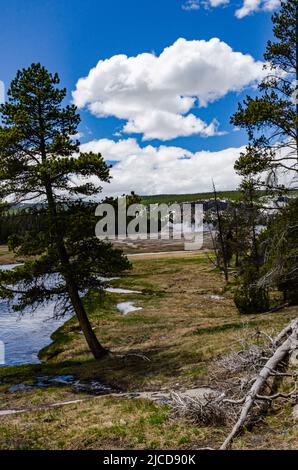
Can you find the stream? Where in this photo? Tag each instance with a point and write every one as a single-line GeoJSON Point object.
{"type": "Point", "coordinates": [23, 336]}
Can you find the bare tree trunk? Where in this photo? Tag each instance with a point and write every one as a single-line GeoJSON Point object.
{"type": "Point", "coordinates": [271, 365]}
{"type": "Point", "coordinates": [221, 238]}
{"type": "Point", "coordinates": [237, 238]}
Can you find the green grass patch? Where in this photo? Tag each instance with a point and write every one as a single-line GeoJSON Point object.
{"type": "Point", "coordinates": [224, 327]}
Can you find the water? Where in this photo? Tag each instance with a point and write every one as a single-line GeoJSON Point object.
{"type": "Point", "coordinates": [25, 335]}
{"type": "Point", "coordinates": [93, 387]}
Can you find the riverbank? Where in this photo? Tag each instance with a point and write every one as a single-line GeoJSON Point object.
{"type": "Point", "coordinates": [186, 322]}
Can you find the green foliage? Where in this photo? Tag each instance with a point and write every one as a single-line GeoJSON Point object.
{"type": "Point", "coordinates": [271, 119]}
{"type": "Point", "coordinates": [249, 297]}
{"type": "Point", "coordinates": [237, 241]}
{"type": "Point", "coordinates": [41, 164]}
{"type": "Point", "coordinates": [280, 245]}
{"type": "Point", "coordinates": [36, 143]}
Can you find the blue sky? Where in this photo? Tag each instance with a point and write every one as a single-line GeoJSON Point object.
{"type": "Point", "coordinates": [71, 36]}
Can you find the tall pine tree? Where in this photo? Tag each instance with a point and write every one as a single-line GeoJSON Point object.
{"type": "Point", "coordinates": [41, 162]}
{"type": "Point", "coordinates": [271, 119]}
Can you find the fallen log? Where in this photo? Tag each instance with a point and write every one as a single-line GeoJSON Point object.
{"type": "Point", "coordinates": [281, 353]}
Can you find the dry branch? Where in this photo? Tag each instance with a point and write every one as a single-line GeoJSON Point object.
{"type": "Point", "coordinates": [280, 354]}
{"type": "Point", "coordinates": [205, 410]}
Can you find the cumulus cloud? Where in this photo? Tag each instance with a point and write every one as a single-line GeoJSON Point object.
{"type": "Point", "coordinates": [251, 6]}
{"type": "Point", "coordinates": [155, 94]}
{"type": "Point", "coordinates": [164, 169]}
{"type": "Point", "coordinates": [248, 7]}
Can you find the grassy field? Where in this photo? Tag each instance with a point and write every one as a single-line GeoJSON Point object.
{"type": "Point", "coordinates": [6, 256]}
{"type": "Point", "coordinates": [178, 198]}
{"type": "Point", "coordinates": [188, 320]}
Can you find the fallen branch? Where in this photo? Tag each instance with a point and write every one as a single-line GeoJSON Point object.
{"type": "Point", "coordinates": [278, 308]}
{"type": "Point", "coordinates": [206, 410]}
{"type": "Point", "coordinates": [288, 329]}
{"type": "Point", "coordinates": [271, 365]}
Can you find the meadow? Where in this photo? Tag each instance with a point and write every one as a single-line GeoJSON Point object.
{"type": "Point", "coordinates": [187, 322]}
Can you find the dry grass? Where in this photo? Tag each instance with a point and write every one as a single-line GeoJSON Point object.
{"type": "Point", "coordinates": [6, 256]}
{"type": "Point", "coordinates": [181, 328]}
{"type": "Point", "coordinates": [276, 431]}
{"type": "Point", "coordinates": [188, 320]}
{"type": "Point", "coordinates": [103, 424]}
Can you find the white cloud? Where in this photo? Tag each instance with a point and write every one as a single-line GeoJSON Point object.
{"type": "Point", "coordinates": [191, 5]}
{"type": "Point", "coordinates": [196, 4]}
{"type": "Point", "coordinates": [164, 125]}
{"type": "Point", "coordinates": [217, 3]}
{"type": "Point", "coordinates": [155, 94]}
{"type": "Point", "coordinates": [251, 6]}
{"type": "Point", "coordinates": [165, 169]}
{"type": "Point", "coordinates": [248, 7]}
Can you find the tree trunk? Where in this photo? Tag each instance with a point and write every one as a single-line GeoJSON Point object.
{"type": "Point", "coordinates": [96, 348]}
{"type": "Point", "coordinates": [221, 238]}
{"type": "Point", "coordinates": [237, 238]}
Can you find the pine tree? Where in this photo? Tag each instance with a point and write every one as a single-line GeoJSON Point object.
{"type": "Point", "coordinates": [249, 297]}
{"type": "Point", "coordinates": [280, 248]}
{"type": "Point", "coordinates": [271, 119]}
{"type": "Point", "coordinates": [41, 162]}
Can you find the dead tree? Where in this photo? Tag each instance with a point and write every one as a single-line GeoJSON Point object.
{"type": "Point", "coordinates": [221, 236]}
{"type": "Point", "coordinates": [254, 394]}
{"type": "Point", "coordinates": [233, 405]}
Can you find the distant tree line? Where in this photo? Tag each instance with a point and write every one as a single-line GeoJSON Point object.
{"type": "Point", "coordinates": [18, 221]}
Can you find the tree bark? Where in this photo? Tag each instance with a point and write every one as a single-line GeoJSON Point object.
{"type": "Point", "coordinates": [96, 348]}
